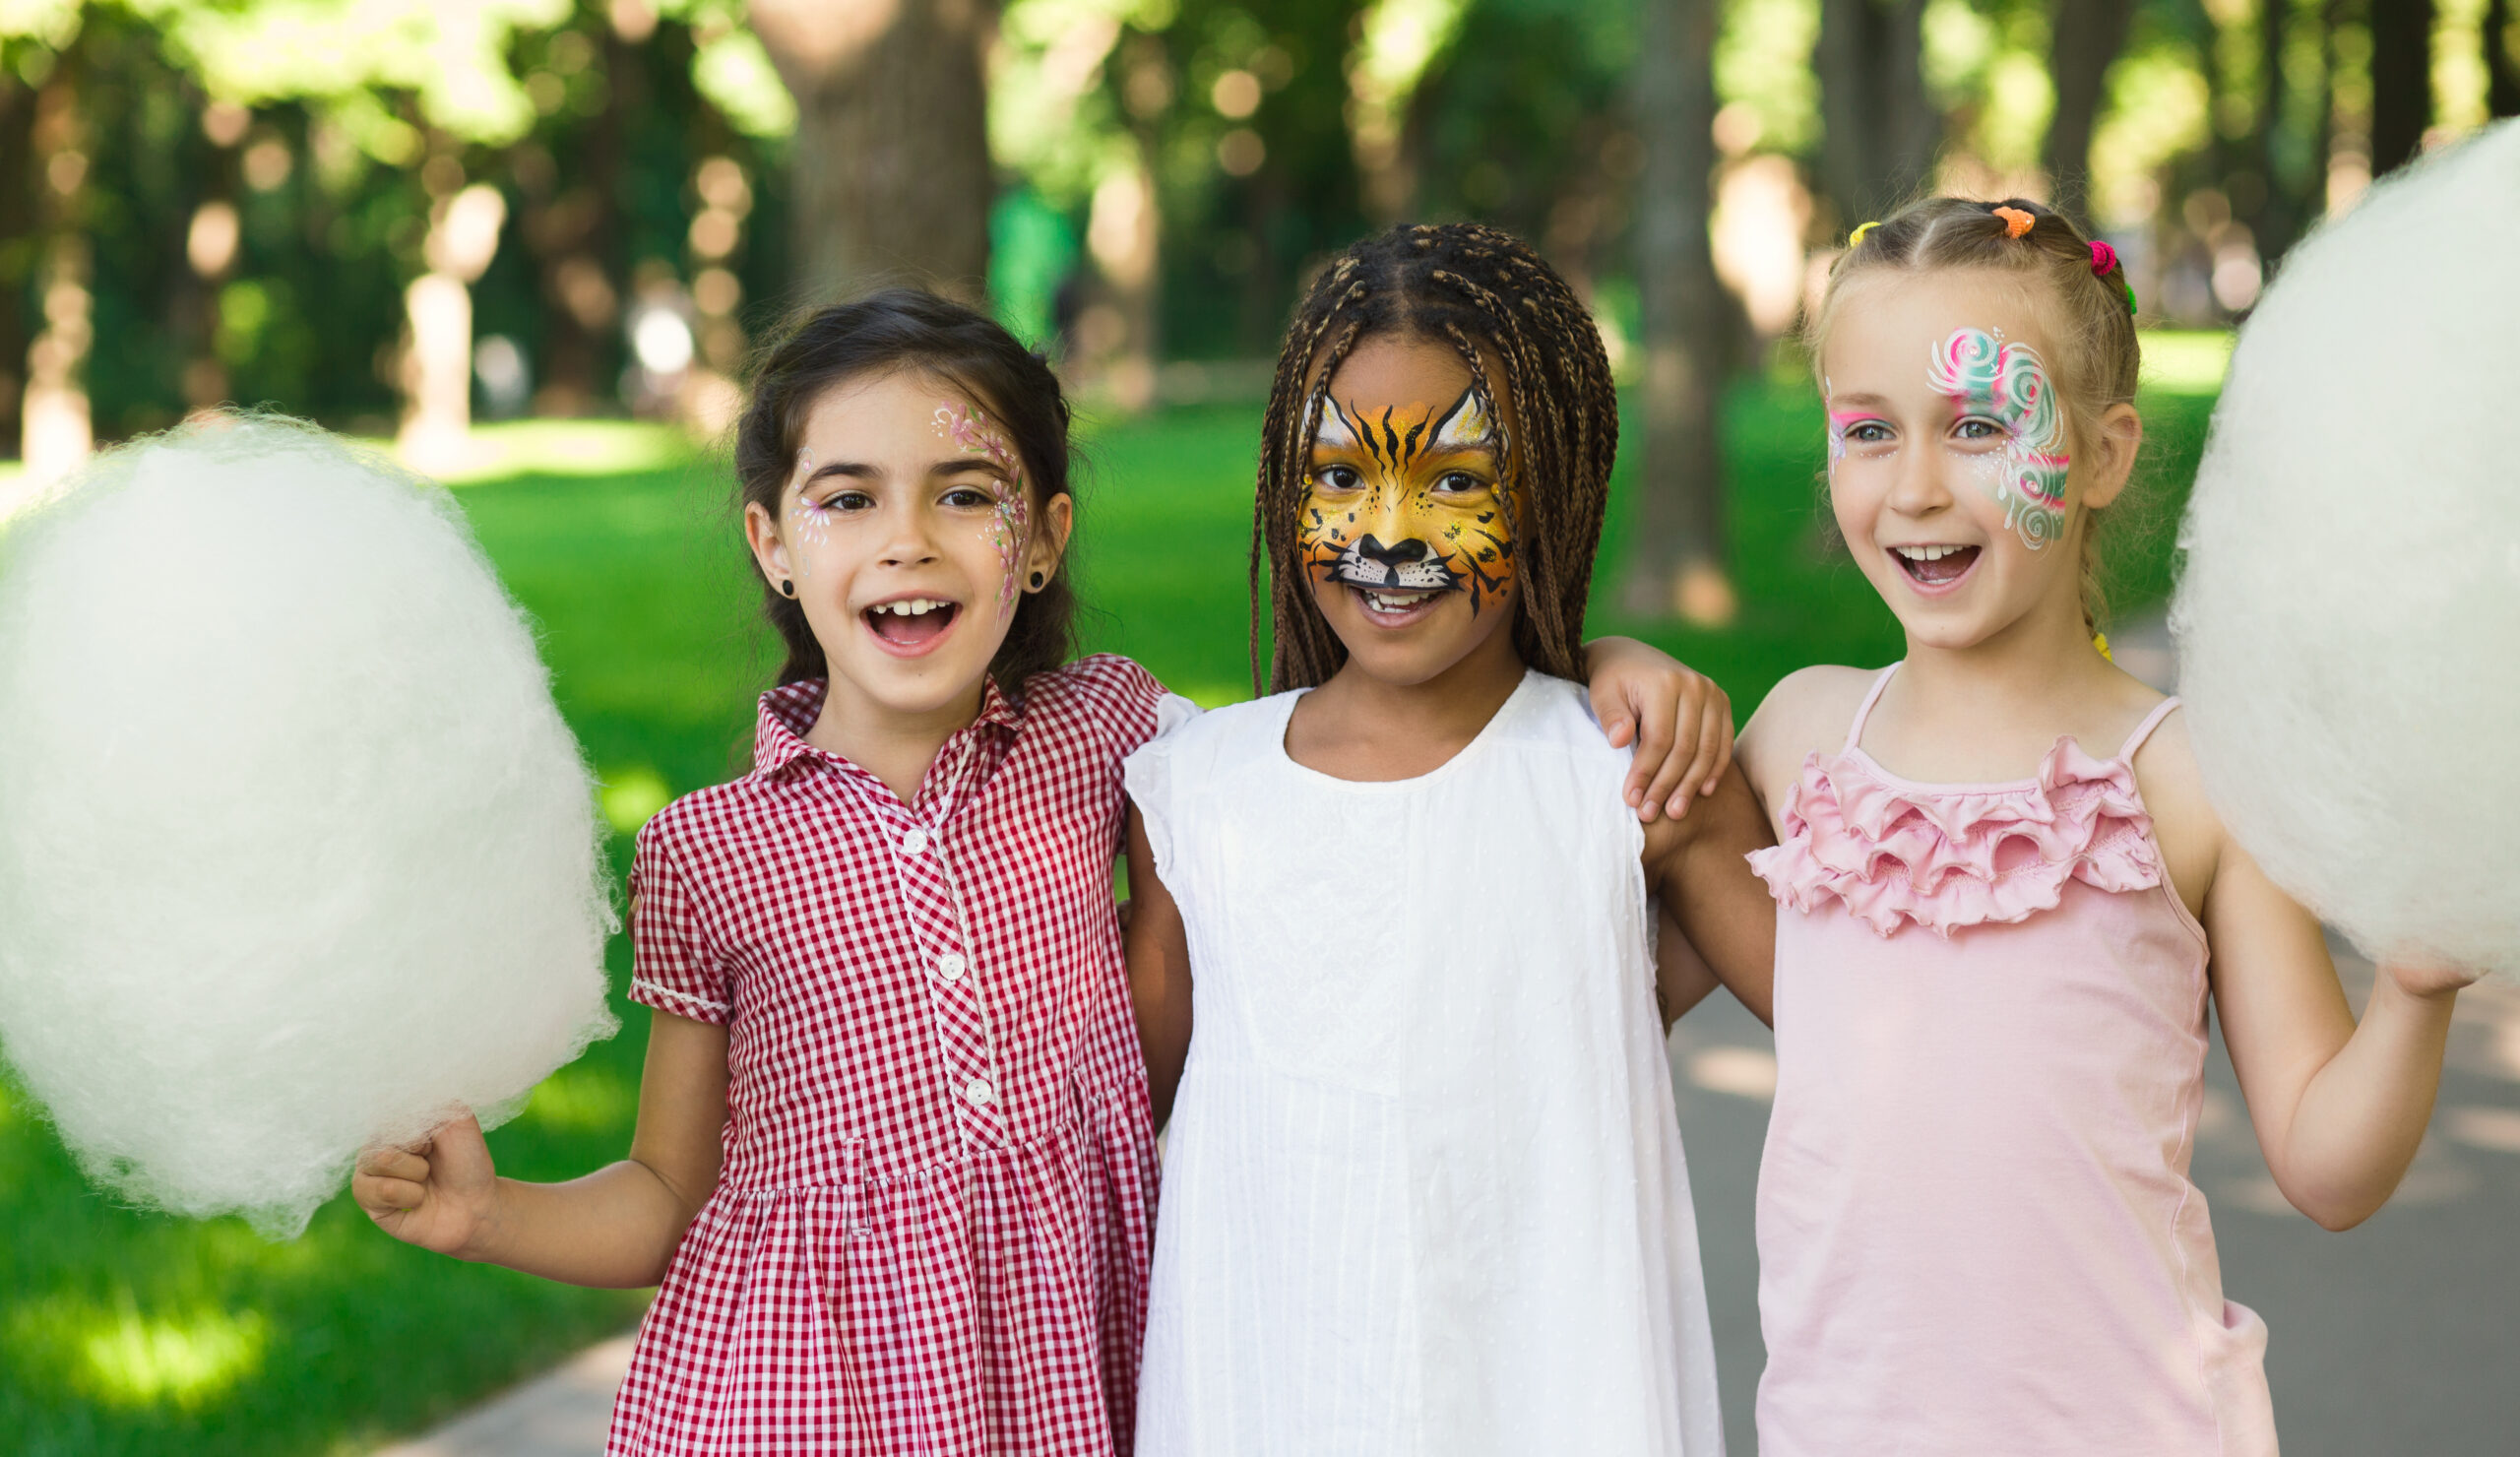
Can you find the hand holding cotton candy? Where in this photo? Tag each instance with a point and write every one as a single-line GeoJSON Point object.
{"type": "Point", "coordinates": [295, 852]}
{"type": "Point", "coordinates": [2348, 614]}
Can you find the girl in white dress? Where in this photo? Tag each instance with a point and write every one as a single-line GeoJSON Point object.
{"type": "Point", "coordinates": [1423, 1189]}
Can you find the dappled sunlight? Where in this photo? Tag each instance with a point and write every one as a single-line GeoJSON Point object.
{"type": "Point", "coordinates": [565, 447]}
{"type": "Point", "coordinates": [119, 1357]}
{"type": "Point", "coordinates": [632, 795]}
{"type": "Point", "coordinates": [2185, 361]}
{"type": "Point", "coordinates": [581, 1099]}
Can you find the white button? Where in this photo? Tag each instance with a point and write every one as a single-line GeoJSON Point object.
{"type": "Point", "coordinates": [914, 842]}
{"type": "Point", "coordinates": [980, 1091]}
{"type": "Point", "coordinates": [951, 966]}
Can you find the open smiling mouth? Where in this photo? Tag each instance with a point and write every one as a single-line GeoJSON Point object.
{"type": "Point", "coordinates": [1934, 566]}
{"type": "Point", "coordinates": [912, 622]}
{"type": "Point", "coordinates": [1392, 607]}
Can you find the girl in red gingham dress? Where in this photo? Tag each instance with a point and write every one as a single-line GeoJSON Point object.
{"type": "Point", "coordinates": [893, 1162]}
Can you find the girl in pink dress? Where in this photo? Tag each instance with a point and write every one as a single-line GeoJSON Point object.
{"type": "Point", "coordinates": [893, 1162]}
{"type": "Point", "coordinates": [1998, 882]}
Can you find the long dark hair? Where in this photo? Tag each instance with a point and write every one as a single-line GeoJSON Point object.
{"type": "Point", "coordinates": [910, 329]}
{"type": "Point", "coordinates": [1488, 296]}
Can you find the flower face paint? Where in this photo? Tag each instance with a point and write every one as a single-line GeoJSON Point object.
{"type": "Point", "coordinates": [1009, 523]}
{"type": "Point", "coordinates": [1981, 373]}
{"type": "Point", "coordinates": [813, 526]}
{"type": "Point", "coordinates": [1416, 498]}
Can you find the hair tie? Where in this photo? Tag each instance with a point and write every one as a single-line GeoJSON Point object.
{"type": "Point", "coordinates": [1854, 239]}
{"type": "Point", "coordinates": [2016, 221]}
{"type": "Point", "coordinates": [2102, 259]}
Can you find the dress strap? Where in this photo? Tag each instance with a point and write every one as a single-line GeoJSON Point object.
{"type": "Point", "coordinates": [2144, 730]}
{"type": "Point", "coordinates": [1854, 730]}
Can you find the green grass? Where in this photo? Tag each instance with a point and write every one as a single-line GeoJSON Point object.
{"type": "Point", "coordinates": [135, 1333]}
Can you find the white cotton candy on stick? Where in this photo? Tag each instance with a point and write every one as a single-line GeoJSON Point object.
{"type": "Point", "coordinates": [295, 851]}
{"type": "Point", "coordinates": [2349, 615]}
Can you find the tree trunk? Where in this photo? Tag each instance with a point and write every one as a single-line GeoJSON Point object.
{"type": "Point", "coordinates": [2401, 80]}
{"type": "Point", "coordinates": [17, 221]}
{"type": "Point", "coordinates": [2089, 35]}
{"type": "Point", "coordinates": [891, 176]}
{"type": "Point", "coordinates": [2501, 60]}
{"type": "Point", "coordinates": [55, 432]}
{"type": "Point", "coordinates": [1676, 564]}
{"type": "Point", "coordinates": [1879, 130]}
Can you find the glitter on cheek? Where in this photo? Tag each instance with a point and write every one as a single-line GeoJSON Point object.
{"type": "Point", "coordinates": [812, 522]}
{"type": "Point", "coordinates": [1976, 369]}
{"type": "Point", "coordinates": [1009, 527]}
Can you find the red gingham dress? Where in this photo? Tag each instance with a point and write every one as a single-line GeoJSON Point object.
{"type": "Point", "coordinates": [932, 1230]}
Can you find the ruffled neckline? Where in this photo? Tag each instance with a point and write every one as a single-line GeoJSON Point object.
{"type": "Point", "coordinates": [1897, 853]}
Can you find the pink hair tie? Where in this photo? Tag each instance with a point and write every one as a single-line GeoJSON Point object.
{"type": "Point", "coordinates": [2102, 259]}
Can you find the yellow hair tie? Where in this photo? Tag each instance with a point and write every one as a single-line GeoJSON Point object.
{"type": "Point", "coordinates": [2100, 640]}
{"type": "Point", "coordinates": [1854, 239]}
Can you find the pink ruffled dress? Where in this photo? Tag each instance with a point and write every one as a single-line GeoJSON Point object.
{"type": "Point", "coordinates": [1976, 1232]}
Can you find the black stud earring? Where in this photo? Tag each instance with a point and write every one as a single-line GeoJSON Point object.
{"type": "Point", "coordinates": [786, 588]}
{"type": "Point", "coordinates": [1038, 579]}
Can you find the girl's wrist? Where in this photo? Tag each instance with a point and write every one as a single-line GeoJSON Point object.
{"type": "Point", "coordinates": [483, 1245]}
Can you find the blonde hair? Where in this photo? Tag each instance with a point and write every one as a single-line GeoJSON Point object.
{"type": "Point", "coordinates": [2091, 310]}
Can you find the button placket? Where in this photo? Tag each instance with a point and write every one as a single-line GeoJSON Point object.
{"type": "Point", "coordinates": [967, 1062]}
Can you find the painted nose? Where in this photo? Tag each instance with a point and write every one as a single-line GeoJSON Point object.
{"type": "Point", "coordinates": [1399, 554]}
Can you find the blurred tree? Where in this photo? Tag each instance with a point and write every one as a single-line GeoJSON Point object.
{"type": "Point", "coordinates": [1880, 128]}
{"type": "Point", "coordinates": [2502, 59]}
{"type": "Point", "coordinates": [2088, 36]}
{"type": "Point", "coordinates": [56, 429]}
{"type": "Point", "coordinates": [891, 165]}
{"type": "Point", "coordinates": [2401, 80]}
{"type": "Point", "coordinates": [1678, 563]}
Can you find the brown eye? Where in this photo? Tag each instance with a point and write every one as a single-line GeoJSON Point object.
{"type": "Point", "coordinates": [1337, 478]}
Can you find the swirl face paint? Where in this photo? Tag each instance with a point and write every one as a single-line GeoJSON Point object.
{"type": "Point", "coordinates": [1410, 498]}
{"type": "Point", "coordinates": [1010, 519]}
{"type": "Point", "coordinates": [1981, 373]}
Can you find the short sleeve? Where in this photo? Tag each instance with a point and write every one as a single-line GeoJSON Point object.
{"type": "Point", "coordinates": [1148, 775]}
{"type": "Point", "coordinates": [675, 966]}
{"type": "Point", "coordinates": [1130, 702]}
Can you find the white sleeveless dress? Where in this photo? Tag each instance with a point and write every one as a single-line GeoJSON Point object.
{"type": "Point", "coordinates": [1424, 1190]}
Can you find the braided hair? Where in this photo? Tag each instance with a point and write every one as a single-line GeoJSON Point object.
{"type": "Point", "coordinates": [1490, 296]}
{"type": "Point", "coordinates": [2082, 295]}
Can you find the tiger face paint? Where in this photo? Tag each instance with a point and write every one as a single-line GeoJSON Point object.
{"type": "Point", "coordinates": [1981, 373]}
{"type": "Point", "coordinates": [1409, 500]}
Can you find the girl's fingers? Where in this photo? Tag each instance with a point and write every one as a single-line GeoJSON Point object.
{"type": "Point", "coordinates": [1682, 747]}
{"type": "Point", "coordinates": [1655, 726]}
{"type": "Point", "coordinates": [1714, 755]}
{"type": "Point", "coordinates": [387, 1195]}
{"type": "Point", "coordinates": [387, 1162]}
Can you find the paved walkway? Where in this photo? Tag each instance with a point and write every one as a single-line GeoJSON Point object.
{"type": "Point", "coordinates": [2396, 1337]}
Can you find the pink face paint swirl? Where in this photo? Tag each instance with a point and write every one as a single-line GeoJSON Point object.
{"type": "Point", "coordinates": [1010, 520]}
{"type": "Point", "coordinates": [2009, 381]}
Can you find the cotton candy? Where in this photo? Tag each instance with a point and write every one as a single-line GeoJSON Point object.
{"type": "Point", "coordinates": [295, 852]}
{"type": "Point", "coordinates": [2348, 616]}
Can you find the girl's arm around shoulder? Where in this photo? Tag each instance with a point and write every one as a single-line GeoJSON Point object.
{"type": "Point", "coordinates": [1698, 868]}
{"type": "Point", "coordinates": [1679, 721]}
{"type": "Point", "coordinates": [2338, 1107]}
{"type": "Point", "coordinates": [618, 1226]}
{"type": "Point", "coordinates": [1158, 954]}
{"type": "Point", "coordinates": [1804, 714]}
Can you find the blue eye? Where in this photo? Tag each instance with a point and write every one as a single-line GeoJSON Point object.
{"type": "Point", "coordinates": [1977, 428]}
{"type": "Point", "coordinates": [1870, 432]}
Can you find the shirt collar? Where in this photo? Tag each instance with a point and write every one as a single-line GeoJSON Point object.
{"type": "Point", "coordinates": [787, 714]}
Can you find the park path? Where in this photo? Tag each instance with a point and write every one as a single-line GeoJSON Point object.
{"type": "Point", "coordinates": [2396, 1337]}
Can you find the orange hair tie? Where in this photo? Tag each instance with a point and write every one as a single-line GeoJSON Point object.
{"type": "Point", "coordinates": [2016, 221]}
